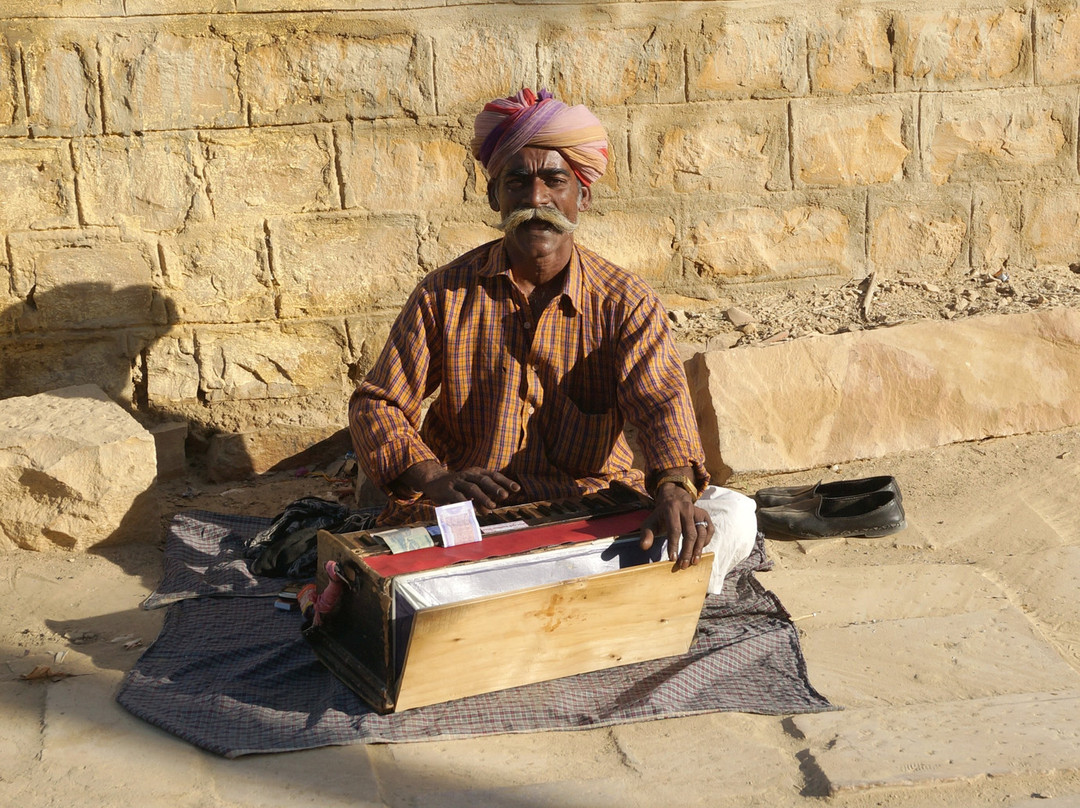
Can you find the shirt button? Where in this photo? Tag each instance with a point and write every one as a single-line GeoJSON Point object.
{"type": "Point", "coordinates": [530, 409]}
{"type": "Point", "coordinates": [528, 325]}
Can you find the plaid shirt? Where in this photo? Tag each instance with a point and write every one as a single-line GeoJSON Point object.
{"type": "Point", "coordinates": [543, 400]}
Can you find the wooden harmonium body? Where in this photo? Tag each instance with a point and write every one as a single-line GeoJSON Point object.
{"type": "Point", "coordinates": [568, 591]}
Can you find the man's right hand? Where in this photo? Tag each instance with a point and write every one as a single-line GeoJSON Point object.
{"type": "Point", "coordinates": [486, 488]}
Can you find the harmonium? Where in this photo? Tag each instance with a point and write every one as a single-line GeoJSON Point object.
{"type": "Point", "coordinates": [564, 589]}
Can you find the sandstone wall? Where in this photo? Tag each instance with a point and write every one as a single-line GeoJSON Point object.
{"type": "Point", "coordinates": [213, 208]}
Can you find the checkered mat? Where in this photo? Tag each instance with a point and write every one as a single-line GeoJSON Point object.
{"type": "Point", "coordinates": [231, 674]}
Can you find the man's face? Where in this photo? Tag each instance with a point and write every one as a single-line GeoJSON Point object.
{"type": "Point", "coordinates": [538, 178]}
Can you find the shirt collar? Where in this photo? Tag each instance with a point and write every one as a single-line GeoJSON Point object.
{"type": "Point", "coordinates": [497, 263]}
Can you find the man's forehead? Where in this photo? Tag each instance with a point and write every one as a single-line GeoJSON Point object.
{"type": "Point", "coordinates": [531, 160]}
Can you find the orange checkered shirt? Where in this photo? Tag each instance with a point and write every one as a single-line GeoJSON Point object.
{"type": "Point", "coordinates": [543, 400]}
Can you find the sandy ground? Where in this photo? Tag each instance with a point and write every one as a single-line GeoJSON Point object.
{"type": "Point", "coordinates": [953, 646]}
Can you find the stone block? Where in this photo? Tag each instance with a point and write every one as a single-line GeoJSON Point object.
{"type": "Point", "coordinates": [172, 371]}
{"type": "Point", "coordinates": [611, 66]}
{"type": "Point", "coordinates": [640, 241]}
{"type": "Point", "coordinates": [445, 241]}
{"type": "Point", "coordinates": [963, 49]}
{"type": "Point", "coordinates": [217, 274]}
{"type": "Point", "coordinates": [66, 8]}
{"type": "Point", "coordinates": [850, 53]}
{"type": "Point", "coordinates": [169, 441]}
{"type": "Point", "coordinates": [855, 143]}
{"type": "Point", "coordinates": [736, 58]}
{"type": "Point", "coordinates": [367, 336]}
{"type": "Point", "coordinates": [45, 361]}
{"type": "Point", "coordinates": [476, 63]}
{"type": "Point", "coordinates": [922, 231]}
{"type": "Point", "coordinates": [272, 361]}
{"type": "Point", "coordinates": [338, 264]}
{"type": "Point", "coordinates": [63, 96]}
{"type": "Point", "coordinates": [711, 147]}
{"type": "Point", "coordinates": [823, 400]}
{"type": "Point", "coordinates": [151, 182]}
{"type": "Point", "coordinates": [235, 456]}
{"type": "Point", "coordinates": [38, 189]}
{"type": "Point", "coordinates": [995, 230]}
{"type": "Point", "coordinates": [12, 106]}
{"type": "Point", "coordinates": [134, 8]}
{"type": "Point", "coordinates": [83, 279]}
{"type": "Point", "coordinates": [165, 80]}
{"type": "Point", "coordinates": [75, 472]}
{"type": "Point", "coordinates": [1057, 43]}
{"type": "Point", "coordinates": [1051, 224]}
{"type": "Point", "coordinates": [394, 167]}
{"type": "Point", "coordinates": [961, 740]}
{"type": "Point", "coordinates": [998, 136]}
{"type": "Point", "coordinates": [306, 76]}
{"type": "Point", "coordinates": [271, 170]}
{"type": "Point", "coordinates": [793, 237]}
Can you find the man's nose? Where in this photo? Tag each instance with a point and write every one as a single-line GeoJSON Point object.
{"type": "Point", "coordinates": [539, 193]}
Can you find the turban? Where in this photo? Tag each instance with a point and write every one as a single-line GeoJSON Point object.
{"type": "Point", "coordinates": [507, 125]}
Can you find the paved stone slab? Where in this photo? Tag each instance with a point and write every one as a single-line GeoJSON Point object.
{"type": "Point", "coordinates": [841, 596]}
{"type": "Point", "coordinates": [926, 743]}
{"type": "Point", "coordinates": [819, 401]}
{"type": "Point", "coordinates": [976, 655]}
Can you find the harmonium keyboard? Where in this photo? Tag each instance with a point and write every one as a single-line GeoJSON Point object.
{"type": "Point", "coordinates": [564, 589]}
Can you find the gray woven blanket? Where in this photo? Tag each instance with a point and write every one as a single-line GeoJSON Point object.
{"type": "Point", "coordinates": [230, 673]}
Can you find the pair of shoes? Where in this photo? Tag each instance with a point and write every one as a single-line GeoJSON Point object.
{"type": "Point", "coordinates": [770, 497]}
{"type": "Point", "coordinates": [869, 506]}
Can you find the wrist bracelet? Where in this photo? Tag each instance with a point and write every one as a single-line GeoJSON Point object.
{"type": "Point", "coordinates": [680, 480]}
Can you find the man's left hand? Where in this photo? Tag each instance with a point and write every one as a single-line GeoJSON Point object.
{"type": "Point", "coordinates": [676, 515]}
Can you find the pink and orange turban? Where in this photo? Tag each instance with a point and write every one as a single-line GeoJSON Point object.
{"type": "Point", "coordinates": [507, 125]}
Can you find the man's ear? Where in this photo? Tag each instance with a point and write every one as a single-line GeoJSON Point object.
{"type": "Point", "coordinates": [584, 196]}
{"type": "Point", "coordinates": [493, 199]}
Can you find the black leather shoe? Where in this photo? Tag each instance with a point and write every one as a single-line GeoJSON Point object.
{"type": "Point", "coordinates": [878, 513]}
{"type": "Point", "coordinates": [770, 497]}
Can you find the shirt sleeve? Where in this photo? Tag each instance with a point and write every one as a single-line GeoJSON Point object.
{"type": "Point", "coordinates": [385, 409]}
{"type": "Point", "coordinates": [654, 395]}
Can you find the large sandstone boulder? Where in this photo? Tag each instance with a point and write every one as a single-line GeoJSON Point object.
{"type": "Point", "coordinates": [75, 472]}
{"type": "Point", "coordinates": [823, 400]}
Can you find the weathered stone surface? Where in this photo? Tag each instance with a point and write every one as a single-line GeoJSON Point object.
{"type": "Point", "coordinates": [38, 362]}
{"type": "Point", "coordinates": [610, 66]}
{"type": "Point", "coordinates": [850, 53]}
{"type": "Point", "coordinates": [977, 655]}
{"type": "Point", "coordinates": [217, 275]}
{"type": "Point", "coordinates": [162, 80]}
{"type": "Point", "coordinates": [448, 240]}
{"type": "Point", "coordinates": [75, 471]}
{"type": "Point", "coordinates": [367, 335]}
{"type": "Point", "coordinates": [922, 232]}
{"type": "Point", "coordinates": [1051, 230]}
{"type": "Point", "coordinates": [995, 229]}
{"type": "Point", "coordinates": [393, 168]}
{"type": "Point", "coordinates": [83, 279]}
{"type": "Point", "coordinates": [169, 448]}
{"type": "Point", "coordinates": [62, 87]}
{"type": "Point", "coordinates": [1057, 42]}
{"type": "Point", "coordinates": [963, 49]}
{"type": "Point", "coordinates": [239, 455]}
{"type": "Point", "coordinates": [854, 144]}
{"type": "Point", "coordinates": [137, 7]}
{"type": "Point", "coordinates": [284, 360]}
{"type": "Point", "coordinates": [272, 170]}
{"type": "Point", "coordinates": [151, 181]}
{"type": "Point", "coordinates": [761, 59]}
{"type": "Point", "coordinates": [465, 83]}
{"type": "Point", "coordinates": [711, 147]}
{"type": "Point", "coordinates": [1028, 733]}
{"type": "Point", "coordinates": [172, 372]}
{"type": "Point", "coordinates": [640, 241]}
{"type": "Point", "coordinates": [304, 77]}
{"type": "Point", "coordinates": [827, 400]}
{"type": "Point", "coordinates": [338, 264]}
{"type": "Point", "coordinates": [12, 107]}
{"type": "Point", "coordinates": [1011, 135]}
{"type": "Point", "coordinates": [36, 178]}
{"type": "Point", "coordinates": [64, 8]}
{"type": "Point", "coordinates": [800, 239]}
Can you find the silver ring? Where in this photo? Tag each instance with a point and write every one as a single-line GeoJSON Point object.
{"type": "Point", "coordinates": [701, 524]}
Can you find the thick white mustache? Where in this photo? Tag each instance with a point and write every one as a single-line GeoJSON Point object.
{"type": "Point", "coordinates": [513, 220]}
